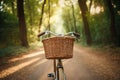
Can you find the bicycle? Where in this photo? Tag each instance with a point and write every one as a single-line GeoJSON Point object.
{"type": "Point", "coordinates": [62, 44]}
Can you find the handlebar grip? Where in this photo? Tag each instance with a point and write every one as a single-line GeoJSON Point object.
{"type": "Point", "coordinates": [76, 34]}
{"type": "Point", "coordinates": [40, 34]}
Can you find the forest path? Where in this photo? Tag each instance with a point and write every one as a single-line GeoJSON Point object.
{"type": "Point", "coordinates": [87, 64]}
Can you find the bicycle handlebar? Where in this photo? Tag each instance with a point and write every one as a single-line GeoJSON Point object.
{"type": "Point", "coordinates": [77, 35]}
{"type": "Point", "coordinates": [40, 34]}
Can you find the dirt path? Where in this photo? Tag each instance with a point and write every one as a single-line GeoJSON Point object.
{"type": "Point", "coordinates": [87, 64]}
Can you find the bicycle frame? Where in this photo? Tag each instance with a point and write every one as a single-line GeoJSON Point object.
{"type": "Point", "coordinates": [58, 71]}
{"type": "Point", "coordinates": [60, 67]}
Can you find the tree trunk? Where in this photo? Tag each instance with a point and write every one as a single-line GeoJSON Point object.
{"type": "Point", "coordinates": [75, 27]}
{"type": "Point", "coordinates": [84, 11]}
{"type": "Point", "coordinates": [41, 15]}
{"type": "Point", "coordinates": [13, 7]}
{"type": "Point", "coordinates": [112, 20]}
{"type": "Point", "coordinates": [49, 15]}
{"type": "Point", "coordinates": [22, 24]}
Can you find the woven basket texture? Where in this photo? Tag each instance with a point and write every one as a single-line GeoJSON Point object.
{"type": "Point", "coordinates": [58, 47]}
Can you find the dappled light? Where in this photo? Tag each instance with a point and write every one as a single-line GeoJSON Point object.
{"type": "Point", "coordinates": [57, 21]}
{"type": "Point", "coordinates": [95, 25]}
{"type": "Point", "coordinates": [62, 16]}
{"type": "Point", "coordinates": [35, 56]}
{"type": "Point", "coordinates": [96, 10]}
{"type": "Point", "coordinates": [119, 12]}
{"type": "Point", "coordinates": [16, 68]}
{"type": "Point", "coordinates": [88, 62]}
{"type": "Point", "coordinates": [27, 56]}
{"type": "Point", "coordinates": [61, 3]}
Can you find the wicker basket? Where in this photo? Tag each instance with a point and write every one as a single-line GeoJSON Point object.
{"type": "Point", "coordinates": [58, 47]}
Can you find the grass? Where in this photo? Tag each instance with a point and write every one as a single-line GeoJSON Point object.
{"type": "Point", "coordinates": [14, 50]}
{"type": "Point", "coordinates": [112, 49]}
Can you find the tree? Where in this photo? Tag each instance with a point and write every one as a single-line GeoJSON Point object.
{"type": "Point", "coordinates": [112, 20]}
{"type": "Point", "coordinates": [40, 23]}
{"type": "Point", "coordinates": [22, 24]}
{"type": "Point", "coordinates": [73, 12]}
{"type": "Point", "coordinates": [49, 15]}
{"type": "Point", "coordinates": [84, 12]}
{"type": "Point", "coordinates": [13, 6]}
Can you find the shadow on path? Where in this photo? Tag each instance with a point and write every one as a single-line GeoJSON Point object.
{"type": "Point", "coordinates": [86, 64]}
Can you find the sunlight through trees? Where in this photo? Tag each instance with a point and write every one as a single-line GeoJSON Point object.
{"type": "Point", "coordinates": [92, 20]}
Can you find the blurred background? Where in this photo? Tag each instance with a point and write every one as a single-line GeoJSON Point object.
{"type": "Point", "coordinates": [97, 21]}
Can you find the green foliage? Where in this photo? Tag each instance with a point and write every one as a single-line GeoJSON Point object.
{"type": "Point", "coordinates": [69, 22]}
{"type": "Point", "coordinates": [32, 9]}
{"type": "Point", "coordinates": [117, 20]}
{"type": "Point", "coordinates": [15, 50]}
{"type": "Point", "coordinates": [9, 31]}
{"type": "Point", "coordinates": [12, 50]}
{"type": "Point", "coordinates": [7, 20]}
{"type": "Point", "coordinates": [31, 12]}
{"type": "Point", "coordinates": [99, 25]}
{"type": "Point", "coordinates": [118, 29]}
